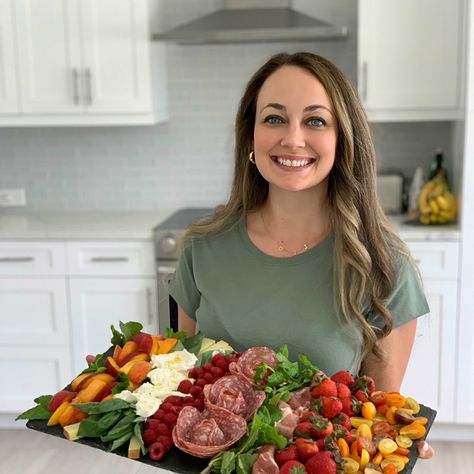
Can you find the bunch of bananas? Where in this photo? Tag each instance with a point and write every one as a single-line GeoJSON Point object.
{"type": "Point", "coordinates": [436, 203]}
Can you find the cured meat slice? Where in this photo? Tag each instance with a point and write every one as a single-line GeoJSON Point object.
{"type": "Point", "coordinates": [289, 420]}
{"type": "Point", "coordinates": [235, 394]}
{"type": "Point", "coordinates": [249, 361]}
{"type": "Point", "coordinates": [300, 398]}
{"type": "Point", "coordinates": [205, 434]}
{"type": "Point", "coordinates": [265, 463]}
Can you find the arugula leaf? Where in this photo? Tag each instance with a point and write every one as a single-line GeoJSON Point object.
{"type": "Point", "coordinates": [39, 412]}
{"type": "Point", "coordinates": [245, 462]}
{"type": "Point", "coordinates": [193, 344]}
{"type": "Point", "coordinates": [180, 335]}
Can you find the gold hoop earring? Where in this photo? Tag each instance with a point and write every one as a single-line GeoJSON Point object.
{"type": "Point", "coordinates": [252, 157]}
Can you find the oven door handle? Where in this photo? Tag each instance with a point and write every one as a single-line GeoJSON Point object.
{"type": "Point", "coordinates": [165, 270]}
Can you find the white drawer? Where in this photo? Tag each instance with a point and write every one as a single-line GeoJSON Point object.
{"type": "Point", "coordinates": [438, 259]}
{"type": "Point", "coordinates": [111, 258]}
{"type": "Point", "coordinates": [32, 258]}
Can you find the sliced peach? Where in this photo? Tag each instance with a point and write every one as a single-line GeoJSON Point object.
{"type": "Point", "coordinates": [128, 348]}
{"type": "Point", "coordinates": [156, 345]}
{"type": "Point", "coordinates": [71, 415]}
{"type": "Point", "coordinates": [116, 354]}
{"type": "Point", "coordinates": [54, 418]}
{"type": "Point", "coordinates": [132, 386]}
{"type": "Point", "coordinates": [75, 383]}
{"type": "Point", "coordinates": [111, 366]}
{"type": "Point", "coordinates": [139, 371]}
{"type": "Point", "coordinates": [90, 392]}
{"type": "Point", "coordinates": [106, 391]}
{"type": "Point", "coordinates": [60, 397]}
{"type": "Point", "coordinates": [144, 341]}
{"type": "Point", "coordinates": [137, 355]}
{"type": "Point", "coordinates": [167, 345]}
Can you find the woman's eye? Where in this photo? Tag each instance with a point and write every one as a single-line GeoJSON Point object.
{"type": "Point", "coordinates": [273, 120]}
{"type": "Point", "coordinates": [316, 122]}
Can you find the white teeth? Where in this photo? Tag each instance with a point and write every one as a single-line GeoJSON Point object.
{"type": "Point", "coordinates": [294, 163]}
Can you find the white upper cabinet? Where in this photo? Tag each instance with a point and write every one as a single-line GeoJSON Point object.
{"type": "Point", "coordinates": [8, 89]}
{"type": "Point", "coordinates": [86, 62]}
{"type": "Point", "coordinates": [410, 59]}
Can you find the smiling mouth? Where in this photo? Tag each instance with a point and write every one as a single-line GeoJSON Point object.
{"type": "Point", "coordinates": [293, 163]}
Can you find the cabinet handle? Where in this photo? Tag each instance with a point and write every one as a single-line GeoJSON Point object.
{"type": "Point", "coordinates": [364, 74]}
{"type": "Point", "coordinates": [16, 259]}
{"type": "Point", "coordinates": [75, 85]}
{"type": "Point", "coordinates": [109, 259]}
{"type": "Point", "coordinates": [148, 304]}
{"type": "Point", "coordinates": [88, 78]}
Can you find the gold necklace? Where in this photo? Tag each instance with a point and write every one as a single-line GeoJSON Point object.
{"type": "Point", "coordinates": [280, 243]}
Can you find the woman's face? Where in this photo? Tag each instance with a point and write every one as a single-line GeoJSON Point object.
{"type": "Point", "coordinates": [295, 130]}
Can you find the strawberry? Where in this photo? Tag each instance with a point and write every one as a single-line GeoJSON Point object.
{"type": "Point", "coordinates": [307, 415]}
{"type": "Point", "coordinates": [326, 388]}
{"type": "Point", "coordinates": [305, 448]}
{"type": "Point", "coordinates": [361, 396]}
{"type": "Point", "coordinates": [340, 431]}
{"type": "Point", "coordinates": [288, 454]}
{"type": "Point", "coordinates": [303, 428]}
{"type": "Point", "coordinates": [329, 407]}
{"type": "Point", "coordinates": [321, 463]}
{"type": "Point", "coordinates": [343, 391]}
{"type": "Point", "coordinates": [292, 467]}
{"type": "Point", "coordinates": [343, 376]}
{"type": "Point", "coordinates": [364, 383]}
{"type": "Point", "coordinates": [351, 406]}
{"type": "Point", "coordinates": [321, 427]}
{"type": "Point", "coordinates": [343, 420]}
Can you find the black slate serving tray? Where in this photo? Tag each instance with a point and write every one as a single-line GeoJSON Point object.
{"type": "Point", "coordinates": [182, 463]}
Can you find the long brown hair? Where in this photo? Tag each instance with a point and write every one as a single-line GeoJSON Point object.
{"type": "Point", "coordinates": [365, 245]}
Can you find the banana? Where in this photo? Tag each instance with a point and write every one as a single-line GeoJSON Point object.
{"type": "Point", "coordinates": [434, 206]}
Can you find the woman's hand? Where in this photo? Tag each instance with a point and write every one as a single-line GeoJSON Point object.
{"type": "Point", "coordinates": [186, 323]}
{"type": "Point", "coordinates": [388, 375]}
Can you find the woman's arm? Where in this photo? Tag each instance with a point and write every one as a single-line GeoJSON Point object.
{"type": "Point", "coordinates": [186, 323]}
{"type": "Point", "coordinates": [388, 374]}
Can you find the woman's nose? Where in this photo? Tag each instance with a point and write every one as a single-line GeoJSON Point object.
{"type": "Point", "coordinates": [293, 137]}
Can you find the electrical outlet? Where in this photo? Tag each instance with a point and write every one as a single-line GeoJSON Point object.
{"type": "Point", "coordinates": [12, 197]}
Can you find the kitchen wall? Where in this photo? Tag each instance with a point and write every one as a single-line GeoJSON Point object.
{"type": "Point", "coordinates": [188, 160]}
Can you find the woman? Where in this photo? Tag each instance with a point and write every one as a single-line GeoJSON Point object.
{"type": "Point", "coordinates": [302, 253]}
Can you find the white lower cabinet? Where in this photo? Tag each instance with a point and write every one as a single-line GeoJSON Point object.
{"type": "Point", "coordinates": [430, 376]}
{"type": "Point", "coordinates": [97, 303]}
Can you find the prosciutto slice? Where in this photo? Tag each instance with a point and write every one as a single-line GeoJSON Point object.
{"type": "Point", "coordinates": [236, 394]}
{"type": "Point", "coordinates": [249, 361]}
{"type": "Point", "coordinates": [204, 434]}
{"type": "Point", "coordinates": [265, 463]}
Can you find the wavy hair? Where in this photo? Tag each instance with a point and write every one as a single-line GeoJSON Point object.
{"type": "Point", "coordinates": [365, 244]}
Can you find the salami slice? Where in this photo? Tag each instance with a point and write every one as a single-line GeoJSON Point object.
{"type": "Point", "coordinates": [205, 434]}
{"type": "Point", "coordinates": [236, 394]}
{"type": "Point", "coordinates": [249, 361]}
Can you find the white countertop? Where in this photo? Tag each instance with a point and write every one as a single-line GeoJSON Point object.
{"type": "Point", "coordinates": [82, 225]}
{"type": "Point", "coordinates": [138, 225]}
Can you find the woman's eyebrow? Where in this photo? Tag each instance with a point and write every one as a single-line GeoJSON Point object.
{"type": "Point", "coordinates": [309, 108]}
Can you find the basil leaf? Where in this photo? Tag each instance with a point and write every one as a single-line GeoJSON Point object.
{"type": "Point", "coordinates": [123, 383]}
{"type": "Point", "coordinates": [193, 344]}
{"type": "Point", "coordinates": [93, 408]}
{"type": "Point", "coordinates": [130, 329]}
{"type": "Point", "coordinates": [38, 412]}
{"type": "Point", "coordinates": [117, 338]}
{"type": "Point", "coordinates": [180, 335]}
{"type": "Point", "coordinates": [121, 440]}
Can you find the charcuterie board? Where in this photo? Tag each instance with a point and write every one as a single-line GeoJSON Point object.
{"type": "Point", "coordinates": [182, 463]}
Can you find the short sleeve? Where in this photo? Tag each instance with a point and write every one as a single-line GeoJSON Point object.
{"type": "Point", "coordinates": [408, 300]}
{"type": "Point", "coordinates": [183, 287]}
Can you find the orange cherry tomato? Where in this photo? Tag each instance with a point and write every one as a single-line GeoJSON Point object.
{"type": "Point", "coordinates": [395, 399]}
{"type": "Point", "coordinates": [381, 428]}
{"type": "Point", "coordinates": [378, 397]}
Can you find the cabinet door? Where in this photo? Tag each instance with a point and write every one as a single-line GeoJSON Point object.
{"type": "Point", "coordinates": [430, 376]}
{"type": "Point", "coordinates": [98, 303]}
{"type": "Point", "coordinates": [116, 56]}
{"type": "Point", "coordinates": [409, 56]}
{"type": "Point", "coordinates": [8, 77]}
{"type": "Point", "coordinates": [48, 55]}
{"type": "Point", "coordinates": [30, 371]}
{"type": "Point", "coordinates": [33, 311]}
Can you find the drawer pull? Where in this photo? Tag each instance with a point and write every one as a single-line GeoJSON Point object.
{"type": "Point", "coordinates": [148, 303]}
{"type": "Point", "coordinates": [109, 259]}
{"type": "Point", "coordinates": [16, 259]}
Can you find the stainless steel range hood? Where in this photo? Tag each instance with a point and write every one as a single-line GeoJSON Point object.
{"type": "Point", "coordinates": [253, 21]}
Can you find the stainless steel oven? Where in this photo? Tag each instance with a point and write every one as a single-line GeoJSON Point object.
{"type": "Point", "coordinates": [168, 239]}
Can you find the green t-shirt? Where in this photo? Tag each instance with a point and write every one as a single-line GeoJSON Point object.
{"type": "Point", "coordinates": [239, 294]}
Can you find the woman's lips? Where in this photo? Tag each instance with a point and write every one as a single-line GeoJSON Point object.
{"type": "Point", "coordinates": [293, 163]}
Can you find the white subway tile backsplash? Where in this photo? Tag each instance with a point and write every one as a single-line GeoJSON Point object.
{"type": "Point", "coordinates": [187, 161]}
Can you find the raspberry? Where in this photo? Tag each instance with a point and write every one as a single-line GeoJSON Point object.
{"type": "Point", "coordinates": [184, 386]}
{"type": "Point", "coordinates": [208, 377]}
{"type": "Point", "coordinates": [222, 364]}
{"type": "Point", "coordinates": [162, 429]}
{"type": "Point", "coordinates": [149, 436]}
{"type": "Point", "coordinates": [195, 373]}
{"type": "Point", "coordinates": [195, 391]}
{"type": "Point", "coordinates": [207, 367]}
{"type": "Point", "coordinates": [173, 399]}
{"type": "Point", "coordinates": [157, 451]}
{"type": "Point", "coordinates": [217, 357]}
{"type": "Point", "coordinates": [217, 372]}
{"type": "Point", "coordinates": [188, 400]}
{"type": "Point", "coordinates": [166, 406]}
{"type": "Point", "coordinates": [158, 415]}
{"type": "Point", "coordinates": [166, 441]}
{"type": "Point", "coordinates": [152, 423]}
{"type": "Point", "coordinates": [199, 404]}
{"type": "Point", "coordinates": [170, 419]}
{"type": "Point", "coordinates": [174, 410]}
